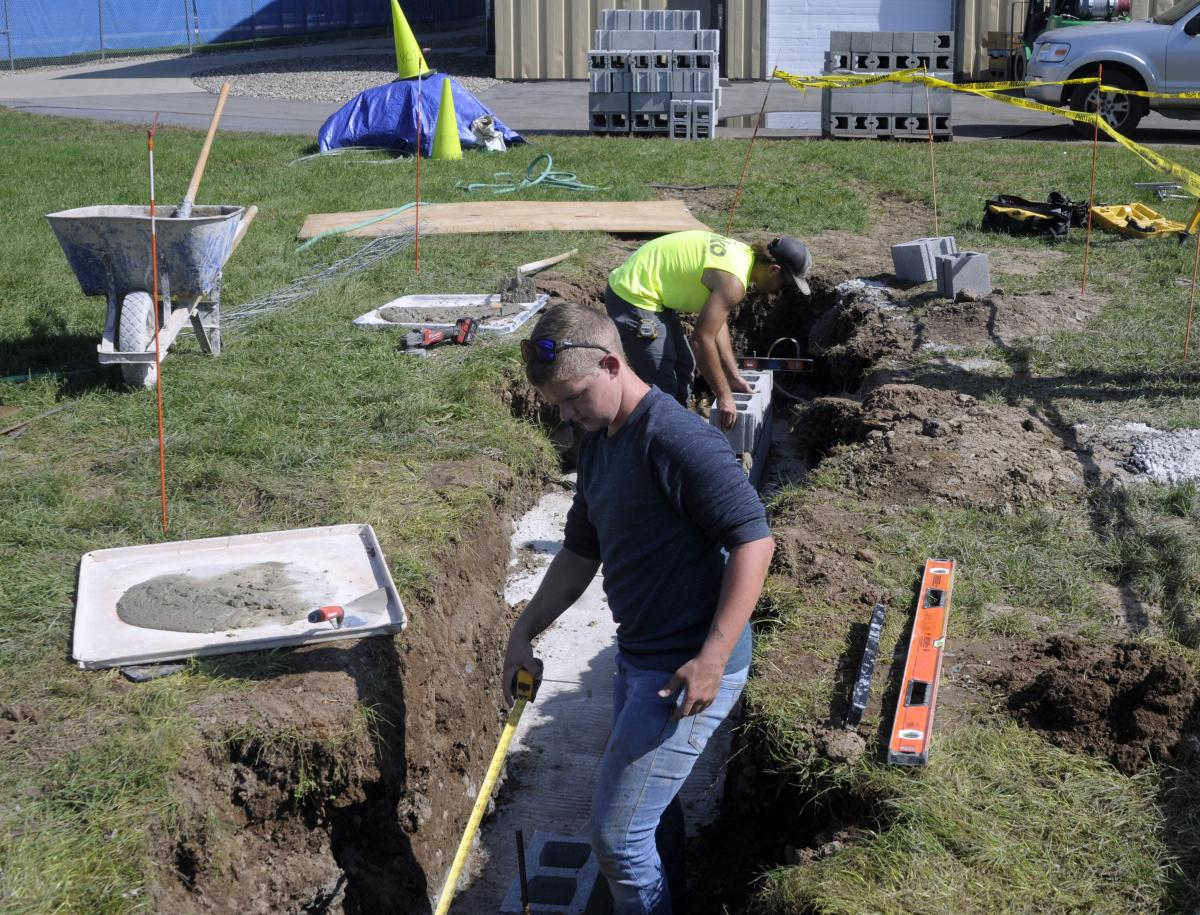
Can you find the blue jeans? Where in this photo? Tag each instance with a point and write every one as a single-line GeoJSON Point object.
{"type": "Point", "coordinates": [637, 826]}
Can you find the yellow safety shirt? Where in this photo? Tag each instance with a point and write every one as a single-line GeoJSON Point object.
{"type": "Point", "coordinates": [666, 272]}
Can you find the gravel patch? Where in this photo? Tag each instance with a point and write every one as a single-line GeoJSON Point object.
{"type": "Point", "coordinates": [1165, 457]}
{"type": "Point", "coordinates": [337, 78]}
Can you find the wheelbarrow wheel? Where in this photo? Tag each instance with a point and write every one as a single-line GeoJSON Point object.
{"type": "Point", "coordinates": [135, 335]}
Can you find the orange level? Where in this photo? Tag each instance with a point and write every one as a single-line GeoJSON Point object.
{"type": "Point", "coordinates": [911, 731]}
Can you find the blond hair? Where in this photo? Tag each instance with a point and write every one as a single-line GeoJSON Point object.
{"type": "Point", "coordinates": [572, 323]}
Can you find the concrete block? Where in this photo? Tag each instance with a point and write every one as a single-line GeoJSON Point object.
{"type": "Point", "coordinates": [674, 40]}
{"type": "Point", "coordinates": [931, 42]}
{"type": "Point", "coordinates": [618, 60]}
{"type": "Point", "coordinates": [683, 60]}
{"type": "Point", "coordinates": [881, 42]}
{"type": "Point", "coordinates": [649, 102]}
{"type": "Point", "coordinates": [656, 122]}
{"type": "Point", "coordinates": [708, 40]}
{"type": "Point", "coordinates": [600, 82]}
{"type": "Point", "coordinates": [650, 80]}
{"type": "Point", "coordinates": [609, 102]}
{"type": "Point", "coordinates": [609, 122]}
{"type": "Point", "coordinates": [564, 879]}
{"type": "Point", "coordinates": [837, 62]}
{"type": "Point", "coordinates": [631, 40]}
{"type": "Point", "coordinates": [600, 39]}
{"type": "Point", "coordinates": [902, 42]}
{"type": "Point", "coordinates": [710, 96]}
{"type": "Point", "coordinates": [703, 113]}
{"type": "Point", "coordinates": [752, 411]}
{"type": "Point", "coordinates": [688, 19]}
{"type": "Point", "coordinates": [706, 60]}
{"type": "Point", "coordinates": [681, 119]}
{"type": "Point", "coordinates": [839, 41]}
{"type": "Point", "coordinates": [597, 60]}
{"type": "Point", "coordinates": [621, 80]}
{"type": "Point", "coordinates": [608, 19]}
{"type": "Point", "coordinates": [641, 60]}
{"type": "Point", "coordinates": [916, 261]}
{"type": "Point", "coordinates": [860, 42]}
{"type": "Point", "coordinates": [968, 270]}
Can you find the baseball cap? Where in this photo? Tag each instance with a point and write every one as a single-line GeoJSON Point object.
{"type": "Point", "coordinates": [792, 255]}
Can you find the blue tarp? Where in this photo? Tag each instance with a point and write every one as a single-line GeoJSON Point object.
{"type": "Point", "coordinates": [386, 116]}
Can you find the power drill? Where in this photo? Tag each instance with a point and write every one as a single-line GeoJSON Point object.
{"type": "Point", "coordinates": [463, 334]}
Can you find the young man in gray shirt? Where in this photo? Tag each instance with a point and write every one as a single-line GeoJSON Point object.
{"type": "Point", "coordinates": [661, 501]}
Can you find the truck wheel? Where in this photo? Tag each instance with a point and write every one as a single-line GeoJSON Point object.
{"type": "Point", "coordinates": [135, 334]}
{"type": "Point", "coordinates": [1122, 112]}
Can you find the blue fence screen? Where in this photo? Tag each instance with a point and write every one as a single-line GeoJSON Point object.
{"type": "Point", "coordinates": [41, 29]}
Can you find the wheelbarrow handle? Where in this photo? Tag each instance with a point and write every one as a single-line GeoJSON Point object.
{"type": "Point", "coordinates": [194, 187]}
{"type": "Point", "coordinates": [247, 218]}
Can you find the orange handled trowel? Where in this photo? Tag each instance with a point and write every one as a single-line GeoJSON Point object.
{"type": "Point", "coordinates": [335, 614]}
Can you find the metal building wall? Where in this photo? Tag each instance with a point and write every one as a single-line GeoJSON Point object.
{"type": "Point", "coordinates": [549, 39]}
{"type": "Point", "coordinates": [975, 18]}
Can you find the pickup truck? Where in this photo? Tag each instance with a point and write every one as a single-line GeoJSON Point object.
{"type": "Point", "coordinates": [1161, 54]}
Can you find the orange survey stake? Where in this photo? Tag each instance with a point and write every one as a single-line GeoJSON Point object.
{"type": "Point", "coordinates": [913, 726]}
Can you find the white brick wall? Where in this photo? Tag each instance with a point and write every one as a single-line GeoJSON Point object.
{"type": "Point", "coordinates": [798, 30]}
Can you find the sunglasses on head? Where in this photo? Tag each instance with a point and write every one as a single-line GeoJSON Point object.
{"type": "Point", "coordinates": [545, 350]}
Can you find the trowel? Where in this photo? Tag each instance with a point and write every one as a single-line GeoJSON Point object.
{"type": "Point", "coordinates": [335, 614]}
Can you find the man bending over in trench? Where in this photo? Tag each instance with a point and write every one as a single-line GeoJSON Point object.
{"type": "Point", "coordinates": [704, 274]}
{"type": "Point", "coordinates": [660, 501]}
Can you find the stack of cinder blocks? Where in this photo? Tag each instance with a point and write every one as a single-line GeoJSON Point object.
{"type": "Point", "coordinates": [654, 72]}
{"type": "Point", "coordinates": [563, 877]}
{"type": "Point", "coordinates": [916, 261]}
{"type": "Point", "coordinates": [751, 433]}
{"type": "Point", "coordinates": [889, 109]}
{"type": "Point", "coordinates": [926, 259]}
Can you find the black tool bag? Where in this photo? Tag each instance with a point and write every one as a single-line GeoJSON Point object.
{"type": "Point", "coordinates": [1017, 216]}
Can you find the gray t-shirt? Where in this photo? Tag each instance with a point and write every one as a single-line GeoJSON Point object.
{"type": "Point", "coordinates": [656, 503]}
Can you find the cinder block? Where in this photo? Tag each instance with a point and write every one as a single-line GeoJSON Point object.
{"type": "Point", "coordinates": [657, 122]}
{"type": "Point", "coordinates": [881, 42]}
{"type": "Point", "coordinates": [608, 19]}
{"type": "Point", "coordinates": [609, 102]}
{"type": "Point", "coordinates": [860, 42]}
{"type": "Point", "coordinates": [621, 80]}
{"type": "Point", "coordinates": [618, 60]}
{"type": "Point", "coordinates": [609, 122]}
{"type": "Point", "coordinates": [649, 102]}
{"type": "Point", "coordinates": [837, 62]}
{"type": "Point", "coordinates": [931, 42]}
{"type": "Point", "coordinates": [681, 119]}
{"type": "Point", "coordinates": [631, 40]}
{"type": "Point", "coordinates": [708, 40]}
{"type": "Point", "coordinates": [563, 877]}
{"type": "Point", "coordinates": [600, 39]}
{"type": "Point", "coordinates": [902, 42]}
{"type": "Point", "coordinates": [916, 261]}
{"type": "Point", "coordinates": [839, 41]}
{"type": "Point", "coordinates": [597, 60]}
{"type": "Point", "coordinates": [651, 80]}
{"type": "Point", "coordinates": [674, 40]}
{"type": "Point", "coordinates": [705, 60]}
{"type": "Point", "coordinates": [689, 19]}
{"type": "Point", "coordinates": [968, 270]}
{"type": "Point", "coordinates": [683, 61]}
{"type": "Point", "coordinates": [600, 82]}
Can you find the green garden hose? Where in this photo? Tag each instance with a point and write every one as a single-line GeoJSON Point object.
{"type": "Point", "coordinates": [548, 177]}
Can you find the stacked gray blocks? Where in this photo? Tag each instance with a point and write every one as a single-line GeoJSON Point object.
{"type": "Point", "coordinates": [654, 72]}
{"type": "Point", "coordinates": [915, 261]}
{"type": "Point", "coordinates": [563, 876]}
{"type": "Point", "coordinates": [968, 270]}
{"type": "Point", "coordinates": [901, 110]}
{"type": "Point", "coordinates": [753, 414]}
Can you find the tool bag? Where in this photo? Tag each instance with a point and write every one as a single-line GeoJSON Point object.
{"type": "Point", "coordinates": [1051, 220]}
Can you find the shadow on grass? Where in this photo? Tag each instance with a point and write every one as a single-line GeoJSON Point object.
{"type": "Point", "coordinates": [48, 346]}
{"type": "Point", "coordinates": [1179, 802]}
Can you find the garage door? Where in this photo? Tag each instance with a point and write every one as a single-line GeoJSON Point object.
{"type": "Point", "coordinates": [798, 30]}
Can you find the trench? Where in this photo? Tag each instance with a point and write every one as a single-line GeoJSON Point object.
{"type": "Point", "coordinates": [294, 819]}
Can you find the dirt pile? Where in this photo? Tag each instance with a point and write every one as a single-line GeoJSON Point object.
{"type": "Point", "coordinates": [922, 445]}
{"type": "Point", "coordinates": [1125, 702]}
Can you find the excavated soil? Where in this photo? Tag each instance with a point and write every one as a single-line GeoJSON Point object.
{"type": "Point", "coordinates": [296, 803]}
{"type": "Point", "coordinates": [1127, 702]}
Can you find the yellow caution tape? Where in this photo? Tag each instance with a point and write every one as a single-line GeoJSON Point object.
{"type": "Point", "coordinates": [1188, 180]}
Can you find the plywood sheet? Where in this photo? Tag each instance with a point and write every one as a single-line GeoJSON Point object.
{"type": "Point", "coordinates": [647, 217]}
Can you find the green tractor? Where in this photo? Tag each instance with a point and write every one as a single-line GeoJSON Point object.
{"type": "Point", "coordinates": [1044, 15]}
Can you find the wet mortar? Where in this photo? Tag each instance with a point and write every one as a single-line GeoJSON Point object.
{"type": "Point", "coordinates": [239, 599]}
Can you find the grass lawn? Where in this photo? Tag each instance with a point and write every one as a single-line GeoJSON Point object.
{"type": "Point", "coordinates": [305, 420]}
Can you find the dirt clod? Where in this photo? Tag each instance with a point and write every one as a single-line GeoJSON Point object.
{"type": "Point", "coordinates": [1126, 702]}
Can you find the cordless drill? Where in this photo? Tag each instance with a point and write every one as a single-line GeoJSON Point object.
{"type": "Point", "coordinates": [463, 334]}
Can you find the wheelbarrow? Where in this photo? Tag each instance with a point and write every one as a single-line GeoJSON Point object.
{"type": "Point", "coordinates": [108, 247]}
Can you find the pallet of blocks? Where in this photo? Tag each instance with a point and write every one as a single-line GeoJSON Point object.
{"type": "Point", "coordinates": [654, 73]}
{"type": "Point", "coordinates": [891, 109]}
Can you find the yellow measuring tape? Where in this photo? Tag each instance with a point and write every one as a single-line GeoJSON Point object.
{"type": "Point", "coordinates": [1188, 180]}
{"type": "Point", "coordinates": [524, 692]}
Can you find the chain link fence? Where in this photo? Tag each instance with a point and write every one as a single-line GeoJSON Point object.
{"type": "Point", "coordinates": [39, 32]}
